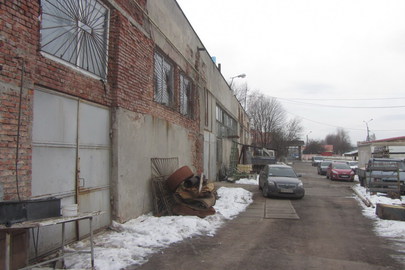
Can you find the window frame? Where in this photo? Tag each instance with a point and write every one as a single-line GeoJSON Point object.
{"type": "Point", "coordinates": [186, 95]}
{"type": "Point", "coordinates": [161, 95]}
{"type": "Point", "coordinates": [81, 43]}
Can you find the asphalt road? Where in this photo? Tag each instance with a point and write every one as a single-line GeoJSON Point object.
{"type": "Point", "coordinates": [325, 230]}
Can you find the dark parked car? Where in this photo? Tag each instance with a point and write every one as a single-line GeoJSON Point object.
{"type": "Point", "coordinates": [323, 166]}
{"type": "Point", "coordinates": [317, 160]}
{"type": "Point", "coordinates": [339, 171]}
{"type": "Point", "coordinates": [280, 181]}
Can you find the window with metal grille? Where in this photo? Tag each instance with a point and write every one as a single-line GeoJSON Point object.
{"type": "Point", "coordinates": [206, 107]}
{"type": "Point", "coordinates": [186, 96]}
{"type": "Point", "coordinates": [163, 77]}
{"type": "Point", "coordinates": [226, 124]}
{"type": "Point", "coordinates": [76, 31]}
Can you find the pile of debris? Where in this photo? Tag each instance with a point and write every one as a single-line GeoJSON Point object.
{"type": "Point", "coordinates": [184, 193]}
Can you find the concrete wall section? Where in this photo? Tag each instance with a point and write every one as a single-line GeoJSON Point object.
{"type": "Point", "coordinates": [138, 138]}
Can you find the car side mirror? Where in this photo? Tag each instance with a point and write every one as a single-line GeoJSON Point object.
{"type": "Point", "coordinates": [299, 175]}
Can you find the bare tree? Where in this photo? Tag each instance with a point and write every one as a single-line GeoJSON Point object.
{"type": "Point", "coordinates": [281, 139]}
{"type": "Point", "coordinates": [340, 141]}
{"type": "Point", "coordinates": [314, 147]}
{"type": "Point", "coordinates": [267, 117]}
{"type": "Point", "coordinates": [293, 129]}
{"type": "Point", "coordinates": [269, 124]}
{"type": "Point", "coordinates": [241, 93]}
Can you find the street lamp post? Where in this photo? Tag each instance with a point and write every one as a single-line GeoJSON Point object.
{"type": "Point", "coordinates": [368, 130]}
{"type": "Point", "coordinates": [243, 75]}
{"type": "Point", "coordinates": [307, 135]}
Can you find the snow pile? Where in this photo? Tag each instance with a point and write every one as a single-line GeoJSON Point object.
{"type": "Point", "coordinates": [131, 243]}
{"type": "Point", "coordinates": [386, 228]}
{"type": "Point", "coordinates": [246, 181]}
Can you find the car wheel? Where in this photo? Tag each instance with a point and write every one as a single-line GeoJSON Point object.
{"type": "Point", "coordinates": [265, 191]}
{"type": "Point", "coordinates": [327, 176]}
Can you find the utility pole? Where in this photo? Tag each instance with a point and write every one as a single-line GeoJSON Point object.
{"type": "Point", "coordinates": [368, 130]}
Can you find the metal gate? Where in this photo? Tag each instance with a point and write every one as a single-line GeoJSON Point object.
{"type": "Point", "coordinates": [71, 157]}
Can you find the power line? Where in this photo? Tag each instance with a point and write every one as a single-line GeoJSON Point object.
{"type": "Point", "coordinates": [345, 107]}
{"type": "Point", "coordinates": [329, 125]}
{"type": "Point", "coordinates": [332, 99]}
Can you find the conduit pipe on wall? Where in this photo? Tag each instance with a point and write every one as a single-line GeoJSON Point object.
{"type": "Point", "coordinates": [18, 127]}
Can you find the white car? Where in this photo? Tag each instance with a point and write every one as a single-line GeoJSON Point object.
{"type": "Point", "coordinates": [353, 165]}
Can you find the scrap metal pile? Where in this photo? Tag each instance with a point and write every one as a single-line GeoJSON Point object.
{"type": "Point", "coordinates": [184, 193]}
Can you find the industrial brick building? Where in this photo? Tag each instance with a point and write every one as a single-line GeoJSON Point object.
{"type": "Point", "coordinates": [91, 91]}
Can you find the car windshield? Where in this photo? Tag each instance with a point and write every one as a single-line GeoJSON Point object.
{"type": "Point", "coordinates": [282, 172]}
{"type": "Point", "coordinates": [326, 163]}
{"type": "Point", "coordinates": [318, 158]}
{"type": "Point", "coordinates": [341, 166]}
{"type": "Point", "coordinates": [352, 163]}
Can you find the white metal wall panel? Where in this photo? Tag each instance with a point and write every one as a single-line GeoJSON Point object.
{"type": "Point", "coordinates": [54, 144]}
{"type": "Point", "coordinates": [210, 155]}
{"type": "Point", "coordinates": [94, 125]}
{"type": "Point", "coordinates": [94, 154]}
{"type": "Point", "coordinates": [53, 171]}
{"type": "Point", "coordinates": [55, 119]}
{"type": "Point", "coordinates": [60, 122]}
{"type": "Point", "coordinates": [94, 167]}
{"type": "Point", "coordinates": [206, 153]}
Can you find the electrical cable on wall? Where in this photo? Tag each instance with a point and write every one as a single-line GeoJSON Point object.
{"type": "Point", "coordinates": [18, 127]}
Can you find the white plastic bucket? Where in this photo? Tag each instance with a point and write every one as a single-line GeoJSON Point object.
{"type": "Point", "coordinates": [69, 210]}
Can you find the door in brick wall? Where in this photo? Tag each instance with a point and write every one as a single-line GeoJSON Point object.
{"type": "Point", "coordinates": [71, 157]}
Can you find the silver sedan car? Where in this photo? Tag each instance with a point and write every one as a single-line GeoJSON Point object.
{"type": "Point", "coordinates": [280, 181]}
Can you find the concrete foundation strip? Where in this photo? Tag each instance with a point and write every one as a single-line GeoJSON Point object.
{"type": "Point", "coordinates": [366, 201]}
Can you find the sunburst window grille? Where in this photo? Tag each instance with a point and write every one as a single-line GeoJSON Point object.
{"type": "Point", "coordinates": [76, 31]}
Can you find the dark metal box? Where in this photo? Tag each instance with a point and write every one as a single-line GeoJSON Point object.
{"type": "Point", "coordinates": [18, 211]}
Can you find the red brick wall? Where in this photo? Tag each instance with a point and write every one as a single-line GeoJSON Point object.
{"type": "Point", "coordinates": [17, 48]}
{"type": "Point", "coordinates": [129, 83]}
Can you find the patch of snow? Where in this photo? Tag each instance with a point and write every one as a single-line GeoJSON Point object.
{"type": "Point", "coordinates": [133, 242]}
{"type": "Point", "coordinates": [392, 229]}
{"type": "Point", "coordinates": [246, 181]}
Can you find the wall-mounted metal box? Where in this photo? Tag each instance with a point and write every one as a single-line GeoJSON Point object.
{"type": "Point", "coordinates": [18, 211]}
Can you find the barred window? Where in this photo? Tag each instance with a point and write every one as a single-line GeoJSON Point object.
{"type": "Point", "coordinates": [163, 77]}
{"type": "Point", "coordinates": [186, 96]}
{"type": "Point", "coordinates": [76, 31]}
{"type": "Point", "coordinates": [219, 114]}
{"type": "Point", "coordinates": [226, 124]}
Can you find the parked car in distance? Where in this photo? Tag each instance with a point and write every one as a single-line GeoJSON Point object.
{"type": "Point", "coordinates": [280, 181]}
{"type": "Point", "coordinates": [353, 165]}
{"type": "Point", "coordinates": [339, 171]}
{"type": "Point", "coordinates": [317, 160]}
{"type": "Point", "coordinates": [323, 166]}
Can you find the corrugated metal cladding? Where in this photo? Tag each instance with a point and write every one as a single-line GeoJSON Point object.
{"type": "Point", "coordinates": [71, 154]}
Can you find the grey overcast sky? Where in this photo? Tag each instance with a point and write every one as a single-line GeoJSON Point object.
{"type": "Point", "coordinates": [333, 63]}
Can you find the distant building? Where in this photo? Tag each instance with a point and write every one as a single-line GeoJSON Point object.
{"type": "Point", "coordinates": [384, 148]}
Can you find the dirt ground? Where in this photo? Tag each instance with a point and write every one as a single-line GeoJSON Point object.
{"type": "Point", "coordinates": [325, 230]}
